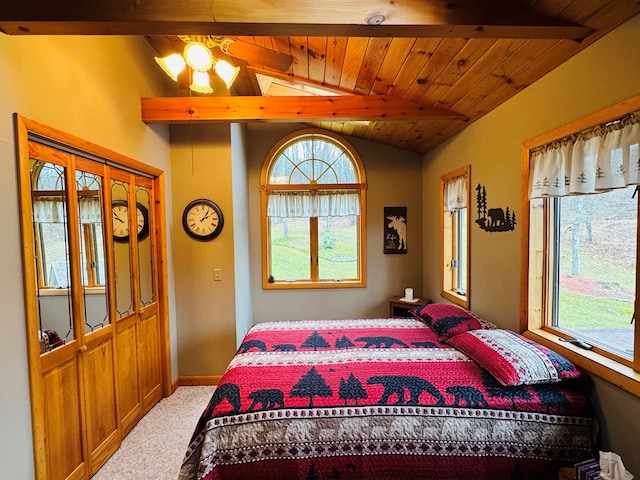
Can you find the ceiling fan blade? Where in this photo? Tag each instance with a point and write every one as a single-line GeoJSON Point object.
{"type": "Point", "coordinates": [255, 55]}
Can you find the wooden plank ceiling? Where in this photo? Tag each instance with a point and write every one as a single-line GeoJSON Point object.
{"type": "Point", "coordinates": [406, 73]}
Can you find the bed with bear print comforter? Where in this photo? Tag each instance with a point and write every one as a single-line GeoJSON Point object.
{"type": "Point", "coordinates": [386, 399]}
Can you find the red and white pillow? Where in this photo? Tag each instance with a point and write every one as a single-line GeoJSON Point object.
{"type": "Point", "coordinates": [513, 359]}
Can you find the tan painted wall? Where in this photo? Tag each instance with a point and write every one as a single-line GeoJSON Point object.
{"type": "Point", "coordinates": [205, 308]}
{"type": "Point", "coordinates": [393, 177]}
{"type": "Point", "coordinates": [89, 87]}
{"type": "Point", "coordinates": [602, 75]}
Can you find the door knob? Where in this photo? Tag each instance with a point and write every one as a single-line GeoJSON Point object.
{"type": "Point", "coordinates": [82, 349]}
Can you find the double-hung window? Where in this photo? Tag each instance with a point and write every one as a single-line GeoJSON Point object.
{"type": "Point", "coordinates": [454, 268]}
{"type": "Point", "coordinates": [313, 208]}
{"type": "Point", "coordinates": [582, 279]}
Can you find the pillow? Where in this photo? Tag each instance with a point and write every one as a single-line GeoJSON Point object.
{"type": "Point", "coordinates": [446, 319]}
{"type": "Point", "coordinates": [513, 359]}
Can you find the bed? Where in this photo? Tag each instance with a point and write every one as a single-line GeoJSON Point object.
{"type": "Point", "coordinates": [443, 395]}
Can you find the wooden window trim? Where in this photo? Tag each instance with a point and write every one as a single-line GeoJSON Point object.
{"type": "Point", "coordinates": [448, 243]}
{"type": "Point", "coordinates": [313, 232]}
{"type": "Point", "coordinates": [625, 375]}
{"type": "Point", "coordinates": [361, 187]}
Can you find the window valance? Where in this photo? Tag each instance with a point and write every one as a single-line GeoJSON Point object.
{"type": "Point", "coordinates": [53, 210]}
{"type": "Point", "coordinates": [596, 160]}
{"type": "Point", "coordinates": [309, 204]}
{"type": "Point", "coordinates": [455, 193]}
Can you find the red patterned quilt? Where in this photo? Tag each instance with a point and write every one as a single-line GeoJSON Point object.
{"type": "Point", "coordinates": [379, 399]}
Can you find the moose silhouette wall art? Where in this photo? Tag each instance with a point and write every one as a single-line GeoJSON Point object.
{"type": "Point", "coordinates": [395, 229]}
{"type": "Point", "coordinates": [493, 219]}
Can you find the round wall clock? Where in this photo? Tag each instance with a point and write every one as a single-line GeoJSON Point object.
{"type": "Point", "coordinates": [120, 220]}
{"type": "Point", "coordinates": [202, 220]}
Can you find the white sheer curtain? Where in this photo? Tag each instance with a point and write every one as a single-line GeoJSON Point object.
{"type": "Point", "coordinates": [455, 193]}
{"type": "Point", "coordinates": [49, 210]}
{"type": "Point", "coordinates": [596, 160]}
{"type": "Point", "coordinates": [313, 204]}
{"type": "Point", "coordinates": [52, 210]}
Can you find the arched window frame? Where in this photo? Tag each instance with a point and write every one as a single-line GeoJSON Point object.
{"type": "Point", "coordinates": [266, 187]}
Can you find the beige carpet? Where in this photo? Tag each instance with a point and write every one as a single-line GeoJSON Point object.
{"type": "Point", "coordinates": [155, 447]}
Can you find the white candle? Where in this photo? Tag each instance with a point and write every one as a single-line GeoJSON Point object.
{"type": "Point", "coordinates": [408, 293]}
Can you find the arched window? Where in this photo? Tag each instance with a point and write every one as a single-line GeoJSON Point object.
{"type": "Point", "coordinates": [313, 208]}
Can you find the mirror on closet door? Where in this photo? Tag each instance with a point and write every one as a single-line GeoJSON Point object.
{"type": "Point", "coordinates": [51, 238]}
{"type": "Point", "coordinates": [121, 248]}
{"type": "Point", "coordinates": [92, 250]}
{"type": "Point", "coordinates": [145, 249]}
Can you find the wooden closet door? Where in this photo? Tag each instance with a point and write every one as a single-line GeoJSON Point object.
{"type": "Point", "coordinates": [149, 321]}
{"type": "Point", "coordinates": [138, 325]}
{"type": "Point", "coordinates": [53, 324]}
{"type": "Point", "coordinates": [125, 306]}
{"type": "Point", "coordinates": [96, 330]}
{"type": "Point", "coordinates": [97, 352]}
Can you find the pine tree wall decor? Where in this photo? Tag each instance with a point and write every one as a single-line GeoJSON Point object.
{"type": "Point", "coordinates": [493, 219]}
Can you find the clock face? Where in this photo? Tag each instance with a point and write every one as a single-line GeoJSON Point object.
{"type": "Point", "coordinates": [202, 220]}
{"type": "Point", "coordinates": [140, 220]}
{"type": "Point", "coordinates": [120, 214]}
{"type": "Point", "coordinates": [120, 220]}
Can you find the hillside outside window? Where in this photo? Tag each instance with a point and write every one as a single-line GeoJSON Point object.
{"type": "Point", "coordinates": [583, 238]}
{"type": "Point", "coordinates": [313, 205]}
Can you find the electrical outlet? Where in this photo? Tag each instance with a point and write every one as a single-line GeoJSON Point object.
{"type": "Point", "coordinates": [217, 274]}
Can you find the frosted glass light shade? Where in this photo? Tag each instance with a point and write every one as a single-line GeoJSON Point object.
{"type": "Point", "coordinates": [227, 72]}
{"type": "Point", "coordinates": [201, 83]}
{"type": "Point", "coordinates": [198, 56]}
{"type": "Point", "coordinates": [172, 65]}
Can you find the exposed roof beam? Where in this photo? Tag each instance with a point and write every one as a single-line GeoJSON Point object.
{"type": "Point", "coordinates": [283, 109]}
{"type": "Point", "coordinates": [374, 18]}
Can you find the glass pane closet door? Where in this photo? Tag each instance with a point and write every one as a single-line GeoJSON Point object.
{"type": "Point", "coordinates": [57, 326]}
{"type": "Point", "coordinates": [149, 326]}
{"type": "Point", "coordinates": [126, 306]}
{"type": "Point", "coordinates": [93, 319]}
{"type": "Point", "coordinates": [98, 347]}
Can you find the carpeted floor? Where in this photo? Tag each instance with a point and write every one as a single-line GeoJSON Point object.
{"type": "Point", "coordinates": [155, 447]}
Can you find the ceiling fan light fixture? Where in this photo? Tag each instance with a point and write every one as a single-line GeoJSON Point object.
{"type": "Point", "coordinates": [201, 83]}
{"type": "Point", "coordinates": [198, 56]}
{"type": "Point", "coordinates": [172, 65]}
{"type": "Point", "coordinates": [227, 72]}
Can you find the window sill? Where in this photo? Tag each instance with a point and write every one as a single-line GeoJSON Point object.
{"type": "Point", "coordinates": [456, 298]}
{"type": "Point", "coordinates": [303, 284]}
{"type": "Point", "coordinates": [594, 363]}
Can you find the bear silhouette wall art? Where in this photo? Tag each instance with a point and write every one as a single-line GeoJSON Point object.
{"type": "Point", "coordinates": [493, 219]}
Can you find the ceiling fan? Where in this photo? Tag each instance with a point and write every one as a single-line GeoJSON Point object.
{"type": "Point", "coordinates": [215, 52]}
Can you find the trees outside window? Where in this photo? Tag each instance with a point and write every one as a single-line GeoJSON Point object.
{"type": "Point", "coordinates": [313, 206]}
{"type": "Point", "coordinates": [580, 271]}
{"type": "Point", "coordinates": [591, 268]}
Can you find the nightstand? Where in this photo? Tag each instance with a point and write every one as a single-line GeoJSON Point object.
{"type": "Point", "coordinates": [400, 308]}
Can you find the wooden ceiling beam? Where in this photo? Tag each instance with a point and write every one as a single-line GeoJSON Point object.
{"type": "Point", "coordinates": [286, 109]}
{"type": "Point", "coordinates": [374, 18]}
